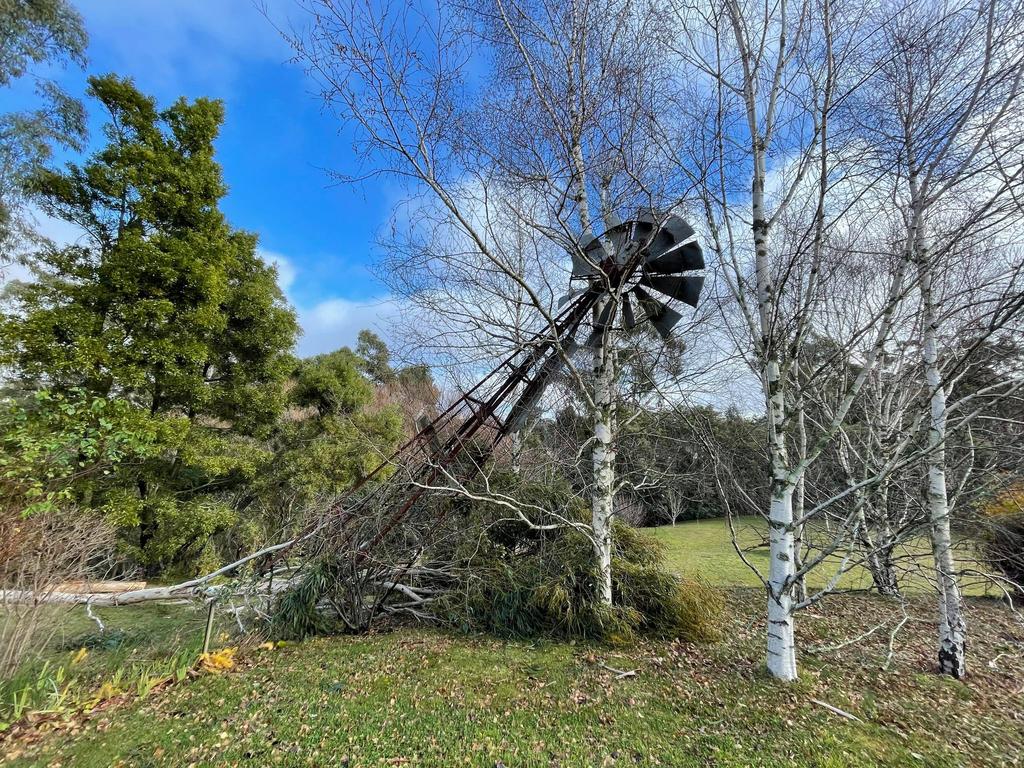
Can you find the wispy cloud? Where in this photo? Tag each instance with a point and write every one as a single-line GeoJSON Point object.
{"type": "Point", "coordinates": [286, 271]}
{"type": "Point", "coordinates": [182, 45]}
{"type": "Point", "coordinates": [333, 322]}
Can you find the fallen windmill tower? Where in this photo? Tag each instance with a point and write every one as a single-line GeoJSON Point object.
{"type": "Point", "coordinates": [628, 276]}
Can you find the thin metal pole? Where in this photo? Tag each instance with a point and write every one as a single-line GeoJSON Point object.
{"type": "Point", "coordinates": [209, 628]}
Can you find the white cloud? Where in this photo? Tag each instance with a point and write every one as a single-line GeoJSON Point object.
{"type": "Point", "coordinates": [197, 43]}
{"type": "Point", "coordinates": [335, 323]}
{"type": "Point", "coordinates": [286, 271]}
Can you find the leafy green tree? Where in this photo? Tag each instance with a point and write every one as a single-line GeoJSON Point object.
{"type": "Point", "coordinates": [335, 435]}
{"type": "Point", "coordinates": [34, 32]}
{"type": "Point", "coordinates": [54, 444]}
{"type": "Point", "coordinates": [164, 306]}
{"type": "Point", "coordinates": [375, 357]}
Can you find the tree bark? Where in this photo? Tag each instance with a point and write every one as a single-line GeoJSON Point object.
{"type": "Point", "coordinates": [952, 629]}
{"type": "Point", "coordinates": [782, 554]}
{"type": "Point", "coordinates": [603, 498]}
{"type": "Point", "coordinates": [883, 572]}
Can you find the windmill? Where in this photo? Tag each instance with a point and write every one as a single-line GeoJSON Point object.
{"type": "Point", "coordinates": [632, 261]}
{"type": "Point", "coordinates": [629, 276]}
{"type": "Point", "coordinates": [617, 274]}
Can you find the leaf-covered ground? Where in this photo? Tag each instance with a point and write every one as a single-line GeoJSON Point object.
{"type": "Point", "coordinates": [415, 697]}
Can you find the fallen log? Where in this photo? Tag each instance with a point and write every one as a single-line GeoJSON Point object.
{"type": "Point", "coordinates": [104, 587]}
{"type": "Point", "coordinates": [193, 588]}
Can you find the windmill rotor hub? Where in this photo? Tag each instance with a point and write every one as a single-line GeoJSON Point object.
{"type": "Point", "coordinates": [647, 261]}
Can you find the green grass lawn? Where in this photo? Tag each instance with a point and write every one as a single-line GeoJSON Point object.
{"type": "Point", "coordinates": [704, 548]}
{"type": "Point", "coordinates": [422, 697]}
{"type": "Point", "coordinates": [133, 637]}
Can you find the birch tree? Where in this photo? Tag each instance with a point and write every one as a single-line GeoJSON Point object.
{"type": "Point", "coordinates": [943, 104]}
{"type": "Point", "coordinates": [510, 163]}
{"type": "Point", "coordinates": [777, 77]}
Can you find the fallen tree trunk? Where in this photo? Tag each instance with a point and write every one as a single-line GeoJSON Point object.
{"type": "Point", "coordinates": [98, 587]}
{"type": "Point", "coordinates": [191, 589]}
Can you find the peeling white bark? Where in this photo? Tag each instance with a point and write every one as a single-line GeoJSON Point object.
{"type": "Point", "coordinates": [603, 497]}
{"type": "Point", "coordinates": [952, 629]}
{"type": "Point", "coordinates": [782, 550]}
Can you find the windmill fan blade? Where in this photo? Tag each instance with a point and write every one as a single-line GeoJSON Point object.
{"type": "Point", "coordinates": [590, 252]}
{"type": "Point", "coordinates": [563, 300]}
{"type": "Point", "coordinates": [661, 314]}
{"type": "Point", "coordinates": [581, 268]}
{"type": "Point", "coordinates": [628, 318]}
{"type": "Point", "coordinates": [668, 320]}
{"type": "Point", "coordinates": [618, 235]}
{"type": "Point", "coordinates": [679, 259]}
{"type": "Point", "coordinates": [645, 223]}
{"type": "Point", "coordinates": [685, 288]}
{"type": "Point", "coordinates": [672, 233]}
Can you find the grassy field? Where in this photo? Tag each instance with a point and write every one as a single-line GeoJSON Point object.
{"type": "Point", "coordinates": [418, 697]}
{"type": "Point", "coordinates": [703, 547]}
{"type": "Point", "coordinates": [138, 635]}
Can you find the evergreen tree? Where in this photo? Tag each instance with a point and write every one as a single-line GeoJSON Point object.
{"type": "Point", "coordinates": [163, 305]}
{"type": "Point", "coordinates": [375, 357]}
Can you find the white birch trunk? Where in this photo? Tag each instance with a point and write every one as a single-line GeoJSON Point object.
{"type": "Point", "coordinates": [603, 498]}
{"type": "Point", "coordinates": [782, 551]}
{"type": "Point", "coordinates": [952, 630]}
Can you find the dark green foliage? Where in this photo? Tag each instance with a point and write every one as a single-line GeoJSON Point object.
{"type": "Point", "coordinates": [666, 605]}
{"type": "Point", "coordinates": [163, 309]}
{"type": "Point", "coordinates": [525, 582]}
{"type": "Point", "coordinates": [298, 613]}
{"type": "Point", "coordinates": [549, 590]}
{"type": "Point", "coordinates": [672, 455]}
{"type": "Point", "coordinates": [332, 436]}
{"type": "Point", "coordinates": [376, 359]}
{"type": "Point", "coordinates": [484, 569]}
{"type": "Point", "coordinates": [332, 384]}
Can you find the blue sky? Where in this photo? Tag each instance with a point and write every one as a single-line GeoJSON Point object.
{"type": "Point", "coordinates": [275, 146]}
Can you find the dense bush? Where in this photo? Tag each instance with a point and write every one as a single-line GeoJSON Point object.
{"type": "Point", "coordinates": [1003, 543]}
{"type": "Point", "coordinates": [545, 584]}
{"type": "Point", "coordinates": [521, 581]}
{"type": "Point", "coordinates": [480, 568]}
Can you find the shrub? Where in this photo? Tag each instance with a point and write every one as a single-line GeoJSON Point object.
{"type": "Point", "coordinates": [478, 568]}
{"type": "Point", "coordinates": [523, 582]}
{"type": "Point", "coordinates": [1003, 542]}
